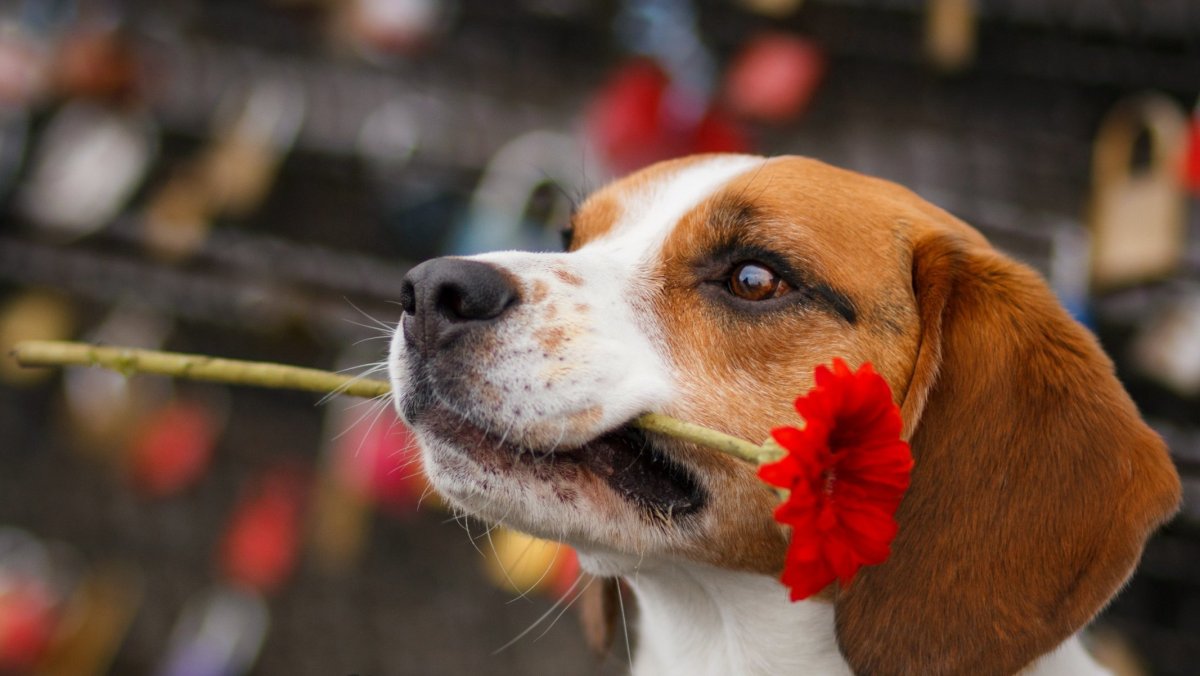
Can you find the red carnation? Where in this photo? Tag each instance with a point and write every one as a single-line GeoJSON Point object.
{"type": "Point", "coordinates": [846, 472]}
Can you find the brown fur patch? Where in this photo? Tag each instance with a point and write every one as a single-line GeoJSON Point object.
{"type": "Point", "coordinates": [552, 338]}
{"type": "Point", "coordinates": [567, 277]}
{"type": "Point", "coordinates": [585, 420]}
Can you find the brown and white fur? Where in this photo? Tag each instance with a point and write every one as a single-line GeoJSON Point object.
{"type": "Point", "coordinates": [1036, 483]}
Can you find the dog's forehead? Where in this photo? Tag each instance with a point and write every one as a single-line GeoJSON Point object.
{"type": "Point", "coordinates": [838, 209]}
{"type": "Point", "coordinates": [637, 213]}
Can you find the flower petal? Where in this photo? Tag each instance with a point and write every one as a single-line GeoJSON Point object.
{"type": "Point", "coordinates": [846, 470]}
{"type": "Point", "coordinates": [806, 578]}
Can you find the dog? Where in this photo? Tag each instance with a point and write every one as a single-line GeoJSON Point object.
{"type": "Point", "coordinates": [708, 288]}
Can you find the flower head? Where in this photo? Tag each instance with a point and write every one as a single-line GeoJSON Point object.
{"type": "Point", "coordinates": [846, 471]}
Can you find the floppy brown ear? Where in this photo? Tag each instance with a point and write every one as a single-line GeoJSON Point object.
{"type": "Point", "coordinates": [1035, 487]}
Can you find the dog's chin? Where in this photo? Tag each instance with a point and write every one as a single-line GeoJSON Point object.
{"type": "Point", "coordinates": [557, 493]}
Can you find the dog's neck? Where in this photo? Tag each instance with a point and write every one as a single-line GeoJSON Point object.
{"type": "Point", "coordinates": [697, 619]}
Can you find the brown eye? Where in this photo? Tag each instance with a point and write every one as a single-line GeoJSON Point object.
{"type": "Point", "coordinates": [752, 281]}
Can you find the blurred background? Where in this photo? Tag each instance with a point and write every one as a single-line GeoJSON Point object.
{"type": "Point", "coordinates": [252, 178]}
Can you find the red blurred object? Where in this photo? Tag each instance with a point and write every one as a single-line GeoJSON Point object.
{"type": "Point", "coordinates": [774, 77]}
{"type": "Point", "coordinates": [98, 64]}
{"type": "Point", "coordinates": [22, 69]}
{"type": "Point", "coordinates": [1191, 157]}
{"type": "Point", "coordinates": [629, 123]}
{"type": "Point", "coordinates": [260, 547]}
{"type": "Point", "coordinates": [173, 449]}
{"type": "Point", "coordinates": [566, 572]}
{"type": "Point", "coordinates": [379, 456]}
{"type": "Point", "coordinates": [27, 622]}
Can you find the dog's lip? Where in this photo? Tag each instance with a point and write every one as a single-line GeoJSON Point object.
{"type": "Point", "coordinates": [626, 459]}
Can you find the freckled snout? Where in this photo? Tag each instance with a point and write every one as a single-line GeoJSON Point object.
{"type": "Point", "coordinates": [445, 298]}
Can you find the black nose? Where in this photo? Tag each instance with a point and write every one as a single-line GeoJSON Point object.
{"type": "Point", "coordinates": [445, 297]}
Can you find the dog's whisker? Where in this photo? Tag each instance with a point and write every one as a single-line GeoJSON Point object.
{"type": "Point", "coordinates": [524, 552]}
{"type": "Point", "coordinates": [567, 607]}
{"type": "Point", "coordinates": [324, 399]}
{"type": "Point", "coordinates": [429, 490]}
{"type": "Point", "coordinates": [549, 567]}
{"type": "Point", "coordinates": [540, 619]}
{"type": "Point", "coordinates": [384, 336]}
{"type": "Point", "coordinates": [466, 525]}
{"type": "Point", "coordinates": [503, 568]}
{"type": "Point", "coordinates": [378, 323]}
{"type": "Point", "coordinates": [490, 527]}
{"type": "Point", "coordinates": [624, 623]}
{"type": "Point", "coordinates": [377, 410]}
{"type": "Point", "coordinates": [372, 365]}
{"type": "Point", "coordinates": [377, 331]}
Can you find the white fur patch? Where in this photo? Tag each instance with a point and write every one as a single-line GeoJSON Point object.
{"type": "Point", "coordinates": [649, 216]}
{"type": "Point", "coordinates": [698, 620]}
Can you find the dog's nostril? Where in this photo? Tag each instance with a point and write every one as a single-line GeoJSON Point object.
{"type": "Point", "coordinates": [473, 299]}
{"type": "Point", "coordinates": [408, 298]}
{"type": "Point", "coordinates": [453, 303]}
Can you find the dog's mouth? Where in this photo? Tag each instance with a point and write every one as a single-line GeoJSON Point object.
{"type": "Point", "coordinates": [640, 472]}
{"type": "Point", "coordinates": [626, 459]}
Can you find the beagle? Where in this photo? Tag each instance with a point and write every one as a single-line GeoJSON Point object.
{"type": "Point", "coordinates": [708, 288]}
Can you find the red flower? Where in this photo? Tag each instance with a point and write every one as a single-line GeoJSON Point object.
{"type": "Point", "coordinates": [846, 472]}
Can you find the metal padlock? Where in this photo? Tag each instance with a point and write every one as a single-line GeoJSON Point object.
{"type": "Point", "coordinates": [1137, 215]}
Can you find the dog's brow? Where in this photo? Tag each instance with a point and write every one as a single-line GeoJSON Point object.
{"type": "Point", "coordinates": [732, 214]}
{"type": "Point", "coordinates": [837, 300]}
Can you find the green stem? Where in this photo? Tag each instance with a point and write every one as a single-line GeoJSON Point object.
{"type": "Point", "coordinates": [697, 434]}
{"type": "Point", "coordinates": [128, 361]}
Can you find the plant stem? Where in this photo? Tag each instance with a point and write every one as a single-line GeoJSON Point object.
{"type": "Point", "coordinates": [129, 361]}
{"type": "Point", "coordinates": [697, 434]}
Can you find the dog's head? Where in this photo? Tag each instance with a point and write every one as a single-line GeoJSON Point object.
{"type": "Point", "coordinates": [708, 288]}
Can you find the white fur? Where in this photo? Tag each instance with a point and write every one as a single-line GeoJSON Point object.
{"type": "Point", "coordinates": [1069, 659]}
{"type": "Point", "coordinates": [651, 214]}
{"type": "Point", "coordinates": [698, 620]}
